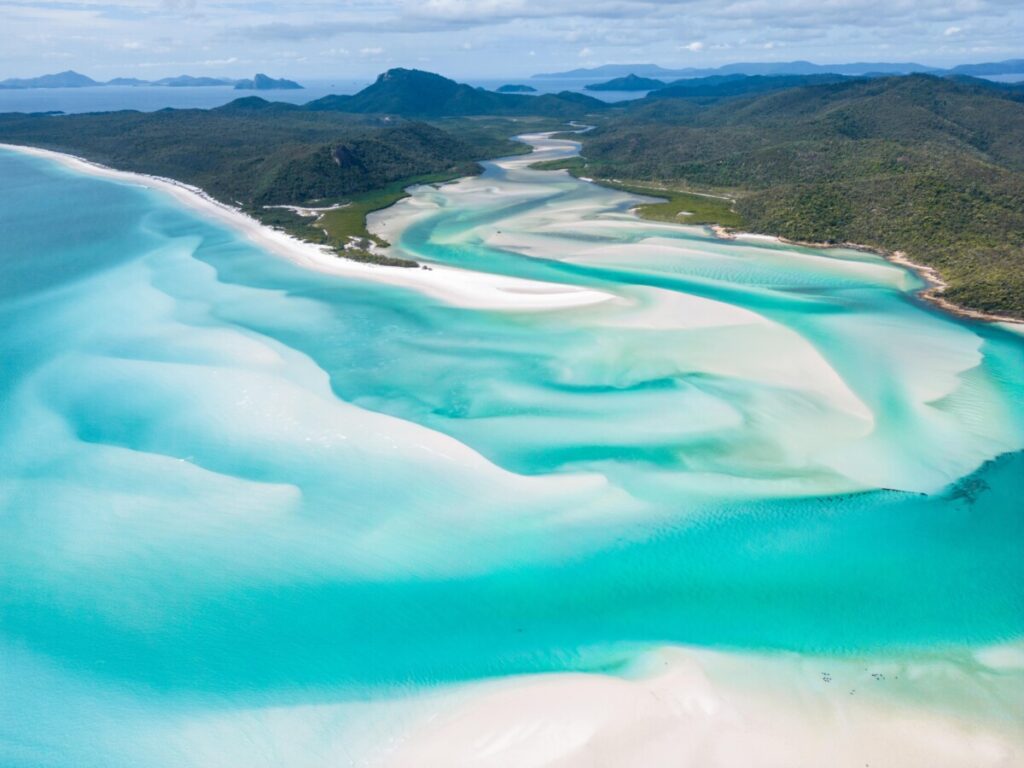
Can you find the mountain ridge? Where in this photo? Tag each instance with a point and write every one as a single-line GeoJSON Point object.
{"type": "Point", "coordinates": [72, 79]}
{"type": "Point", "coordinates": [415, 93]}
{"type": "Point", "coordinates": [799, 67]}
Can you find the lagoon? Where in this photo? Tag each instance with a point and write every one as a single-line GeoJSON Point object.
{"type": "Point", "coordinates": [238, 496]}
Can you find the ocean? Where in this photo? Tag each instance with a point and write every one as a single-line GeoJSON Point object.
{"type": "Point", "coordinates": [229, 484]}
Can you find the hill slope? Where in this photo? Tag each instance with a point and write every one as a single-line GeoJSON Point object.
{"type": "Point", "coordinates": [66, 79]}
{"type": "Point", "coordinates": [256, 154]}
{"type": "Point", "coordinates": [628, 83]}
{"type": "Point", "coordinates": [412, 93]}
{"type": "Point", "coordinates": [929, 166]}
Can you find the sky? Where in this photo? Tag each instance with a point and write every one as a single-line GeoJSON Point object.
{"type": "Point", "coordinates": [479, 39]}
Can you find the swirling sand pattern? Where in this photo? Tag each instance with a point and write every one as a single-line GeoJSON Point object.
{"type": "Point", "coordinates": [244, 505]}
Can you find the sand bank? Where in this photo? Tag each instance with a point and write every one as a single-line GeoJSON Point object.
{"type": "Point", "coordinates": [475, 290]}
{"type": "Point", "coordinates": [935, 285]}
{"type": "Point", "coordinates": [707, 709]}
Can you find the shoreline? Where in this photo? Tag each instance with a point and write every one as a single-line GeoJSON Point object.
{"type": "Point", "coordinates": [931, 293]}
{"type": "Point", "coordinates": [690, 706]}
{"type": "Point", "coordinates": [459, 287]}
{"type": "Point", "coordinates": [466, 288]}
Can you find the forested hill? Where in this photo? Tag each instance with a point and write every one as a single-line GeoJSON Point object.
{"type": "Point", "coordinates": [260, 156]}
{"type": "Point", "coordinates": [927, 165]}
{"type": "Point", "coordinates": [257, 155]}
{"type": "Point", "coordinates": [930, 166]}
{"type": "Point", "coordinates": [413, 93]}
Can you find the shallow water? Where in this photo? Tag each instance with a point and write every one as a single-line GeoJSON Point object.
{"type": "Point", "coordinates": [228, 482]}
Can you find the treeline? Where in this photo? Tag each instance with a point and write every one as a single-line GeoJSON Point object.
{"type": "Point", "coordinates": [260, 157]}
{"type": "Point", "coordinates": [933, 167]}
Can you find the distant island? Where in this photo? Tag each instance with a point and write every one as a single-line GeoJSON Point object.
{"type": "Point", "coordinates": [516, 89]}
{"type": "Point", "coordinates": [72, 79]}
{"type": "Point", "coordinates": [412, 92]}
{"type": "Point", "coordinates": [628, 83]}
{"type": "Point", "coordinates": [263, 83]}
{"type": "Point", "coordinates": [1008, 67]}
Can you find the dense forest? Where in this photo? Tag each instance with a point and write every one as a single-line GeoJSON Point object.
{"type": "Point", "coordinates": [933, 166]}
{"type": "Point", "coordinates": [930, 166]}
{"type": "Point", "coordinates": [254, 156]}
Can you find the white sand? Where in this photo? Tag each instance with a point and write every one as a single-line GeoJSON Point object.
{"type": "Point", "coordinates": [710, 709]}
{"type": "Point", "coordinates": [684, 708]}
{"type": "Point", "coordinates": [459, 287]}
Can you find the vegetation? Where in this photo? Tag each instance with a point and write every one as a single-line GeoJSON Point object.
{"type": "Point", "coordinates": [411, 92]}
{"type": "Point", "coordinates": [342, 224]}
{"type": "Point", "coordinates": [255, 155]}
{"type": "Point", "coordinates": [630, 82]}
{"type": "Point", "coordinates": [677, 206]}
{"type": "Point", "coordinates": [929, 166]}
{"type": "Point", "coordinates": [718, 87]}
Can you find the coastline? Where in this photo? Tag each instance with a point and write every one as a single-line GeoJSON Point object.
{"type": "Point", "coordinates": [930, 293]}
{"type": "Point", "coordinates": [459, 287]}
{"type": "Point", "coordinates": [673, 705]}
{"type": "Point", "coordinates": [464, 288]}
{"type": "Point", "coordinates": [687, 706]}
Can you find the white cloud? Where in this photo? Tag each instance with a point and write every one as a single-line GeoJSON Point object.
{"type": "Point", "coordinates": [101, 37]}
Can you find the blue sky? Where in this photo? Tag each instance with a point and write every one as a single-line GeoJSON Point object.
{"type": "Point", "coordinates": [354, 39]}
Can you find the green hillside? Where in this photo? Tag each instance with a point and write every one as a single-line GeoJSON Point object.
{"type": "Point", "coordinates": [413, 93]}
{"type": "Point", "coordinates": [929, 166]}
{"type": "Point", "coordinates": [256, 154]}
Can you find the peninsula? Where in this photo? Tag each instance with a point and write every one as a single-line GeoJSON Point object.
{"type": "Point", "coordinates": [930, 167]}
{"type": "Point", "coordinates": [630, 82]}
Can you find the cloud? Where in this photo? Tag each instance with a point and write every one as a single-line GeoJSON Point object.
{"type": "Point", "coordinates": [101, 35]}
{"type": "Point", "coordinates": [371, 51]}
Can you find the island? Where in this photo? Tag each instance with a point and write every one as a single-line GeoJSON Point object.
{"type": "Point", "coordinates": [261, 82]}
{"type": "Point", "coordinates": [72, 79]}
{"type": "Point", "coordinates": [316, 170]}
{"type": "Point", "coordinates": [628, 83]}
{"type": "Point", "coordinates": [516, 89]}
{"type": "Point", "coordinates": [904, 165]}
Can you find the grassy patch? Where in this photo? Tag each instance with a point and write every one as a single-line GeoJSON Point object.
{"type": "Point", "coordinates": [682, 207]}
{"type": "Point", "coordinates": [344, 229]}
{"type": "Point", "coordinates": [350, 221]}
{"type": "Point", "coordinates": [679, 206]}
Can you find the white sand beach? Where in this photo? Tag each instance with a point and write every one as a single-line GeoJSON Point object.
{"type": "Point", "coordinates": [691, 708]}
{"type": "Point", "coordinates": [473, 290]}
{"type": "Point", "coordinates": [674, 706]}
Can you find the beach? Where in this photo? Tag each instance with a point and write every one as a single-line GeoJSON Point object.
{"type": "Point", "coordinates": [584, 491]}
{"type": "Point", "coordinates": [470, 290]}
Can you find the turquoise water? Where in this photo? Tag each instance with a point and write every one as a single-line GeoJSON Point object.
{"type": "Point", "coordinates": [227, 482]}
